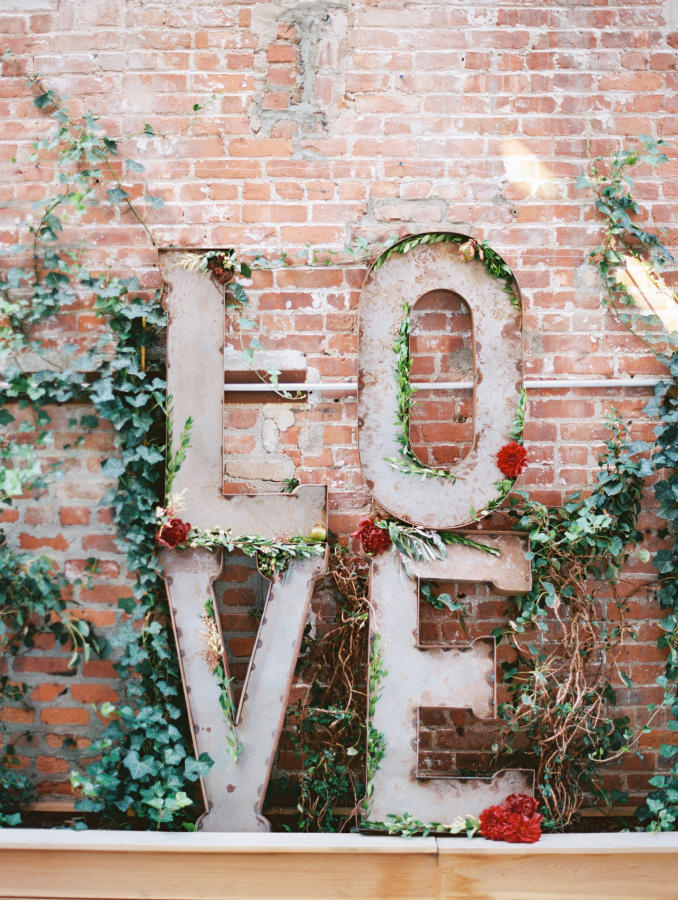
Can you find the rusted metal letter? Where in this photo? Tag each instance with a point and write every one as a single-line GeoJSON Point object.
{"type": "Point", "coordinates": [423, 676]}
{"type": "Point", "coordinates": [497, 341]}
{"type": "Point", "coordinates": [233, 790]}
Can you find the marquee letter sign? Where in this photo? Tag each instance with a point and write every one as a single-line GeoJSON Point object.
{"type": "Point", "coordinates": [235, 786]}
{"type": "Point", "coordinates": [418, 676]}
{"type": "Point", "coordinates": [415, 676]}
{"type": "Point", "coordinates": [234, 790]}
{"type": "Point", "coordinates": [497, 350]}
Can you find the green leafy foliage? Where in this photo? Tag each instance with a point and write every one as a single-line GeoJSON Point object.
{"type": "Point", "coordinates": [470, 249]}
{"type": "Point", "coordinates": [425, 543]}
{"type": "Point", "coordinates": [143, 768]}
{"type": "Point", "coordinates": [376, 740]}
{"type": "Point", "coordinates": [611, 181]}
{"type": "Point", "coordinates": [146, 767]}
{"type": "Point", "coordinates": [273, 557]}
{"type": "Point", "coordinates": [328, 737]}
{"type": "Point", "coordinates": [597, 531]}
{"type": "Point", "coordinates": [175, 458]}
{"type": "Point", "coordinates": [329, 728]}
{"type": "Point", "coordinates": [146, 774]}
{"type": "Point", "coordinates": [34, 600]}
{"type": "Point", "coordinates": [214, 656]}
{"type": "Point", "coordinates": [409, 826]}
{"type": "Point", "coordinates": [557, 712]}
{"type": "Point", "coordinates": [441, 600]}
{"type": "Point", "coordinates": [16, 789]}
{"type": "Point", "coordinates": [406, 461]}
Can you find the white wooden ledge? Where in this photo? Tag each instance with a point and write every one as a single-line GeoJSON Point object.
{"type": "Point", "coordinates": [115, 865]}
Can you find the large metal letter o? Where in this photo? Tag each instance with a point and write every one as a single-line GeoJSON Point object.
{"type": "Point", "coordinates": [497, 346]}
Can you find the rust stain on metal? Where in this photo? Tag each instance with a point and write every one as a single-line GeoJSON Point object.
{"type": "Point", "coordinates": [424, 676]}
{"type": "Point", "coordinates": [497, 350]}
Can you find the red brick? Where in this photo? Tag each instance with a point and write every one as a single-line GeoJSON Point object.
{"type": "Point", "coordinates": [30, 542]}
{"type": "Point", "coordinates": [47, 692]}
{"type": "Point", "coordinates": [71, 715]}
{"type": "Point", "coordinates": [49, 765]}
{"type": "Point", "coordinates": [281, 53]}
{"type": "Point", "coordinates": [94, 693]}
{"type": "Point", "coordinates": [74, 515]}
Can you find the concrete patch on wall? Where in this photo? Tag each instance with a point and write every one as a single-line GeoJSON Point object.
{"type": "Point", "coordinates": [300, 66]}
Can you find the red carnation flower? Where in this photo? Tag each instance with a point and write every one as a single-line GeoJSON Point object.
{"type": "Point", "coordinates": [522, 804]}
{"type": "Point", "coordinates": [373, 538]}
{"type": "Point", "coordinates": [522, 829]}
{"type": "Point", "coordinates": [512, 459]}
{"type": "Point", "coordinates": [516, 820]}
{"type": "Point", "coordinates": [172, 533]}
{"type": "Point", "coordinates": [492, 821]}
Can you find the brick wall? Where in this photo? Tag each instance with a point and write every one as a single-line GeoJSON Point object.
{"type": "Point", "coordinates": [333, 120]}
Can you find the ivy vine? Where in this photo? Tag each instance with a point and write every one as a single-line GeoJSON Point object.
{"type": "Point", "coordinates": [624, 243]}
{"type": "Point", "coordinates": [145, 772]}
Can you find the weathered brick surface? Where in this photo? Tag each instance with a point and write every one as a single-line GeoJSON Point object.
{"type": "Point", "coordinates": [333, 120]}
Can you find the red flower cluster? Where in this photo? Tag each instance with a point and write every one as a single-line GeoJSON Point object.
{"type": "Point", "coordinates": [172, 533]}
{"type": "Point", "coordinates": [516, 820]}
{"type": "Point", "coordinates": [512, 459]}
{"type": "Point", "coordinates": [373, 538]}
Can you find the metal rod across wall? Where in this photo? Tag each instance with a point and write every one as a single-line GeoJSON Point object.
{"type": "Point", "coordinates": [531, 384]}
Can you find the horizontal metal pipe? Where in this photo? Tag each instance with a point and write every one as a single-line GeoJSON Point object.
{"type": "Point", "coordinates": [532, 384]}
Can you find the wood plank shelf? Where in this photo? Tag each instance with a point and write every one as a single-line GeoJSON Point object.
{"type": "Point", "coordinates": [40, 864]}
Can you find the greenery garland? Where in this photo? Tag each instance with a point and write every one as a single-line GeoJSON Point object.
{"type": "Point", "coordinates": [213, 657]}
{"type": "Point", "coordinates": [419, 543]}
{"type": "Point", "coordinates": [376, 740]}
{"type": "Point", "coordinates": [407, 461]}
{"type": "Point", "coordinates": [273, 557]}
{"type": "Point", "coordinates": [503, 486]}
{"type": "Point", "coordinates": [469, 250]}
{"type": "Point", "coordinates": [409, 826]}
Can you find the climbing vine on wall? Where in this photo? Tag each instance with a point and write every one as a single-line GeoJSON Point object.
{"type": "Point", "coordinates": [565, 641]}
{"type": "Point", "coordinates": [145, 770]}
{"type": "Point", "coordinates": [34, 600]}
{"type": "Point", "coordinates": [328, 728]}
{"type": "Point", "coordinates": [629, 260]}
